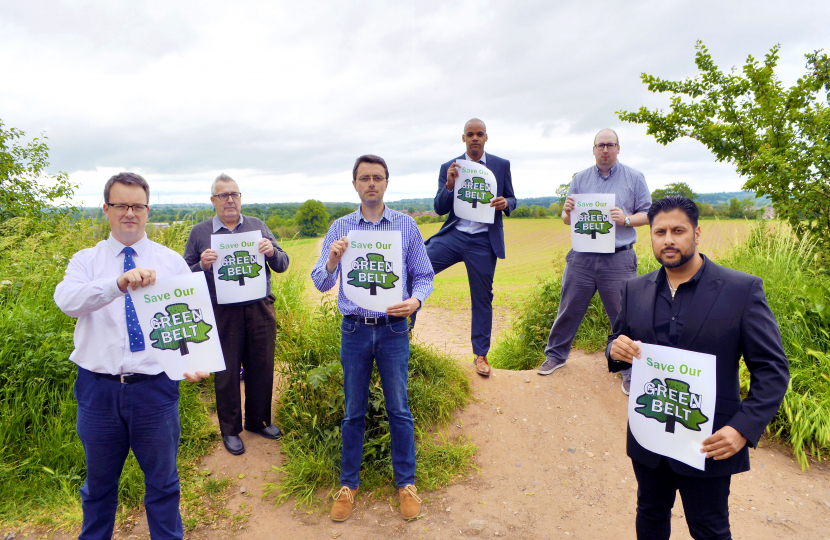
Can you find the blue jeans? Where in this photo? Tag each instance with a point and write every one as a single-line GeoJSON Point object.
{"type": "Point", "coordinates": [361, 345]}
{"type": "Point", "coordinates": [114, 418]}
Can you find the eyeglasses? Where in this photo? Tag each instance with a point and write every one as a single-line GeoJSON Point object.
{"type": "Point", "coordinates": [137, 208]}
{"type": "Point", "coordinates": [604, 146]}
{"type": "Point", "coordinates": [233, 195]}
{"type": "Point", "coordinates": [376, 178]}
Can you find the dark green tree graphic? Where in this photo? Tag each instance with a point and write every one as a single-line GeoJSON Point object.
{"type": "Point", "coordinates": [180, 325]}
{"type": "Point", "coordinates": [671, 402]}
{"type": "Point", "coordinates": [238, 266]}
{"type": "Point", "coordinates": [371, 273]}
{"type": "Point", "coordinates": [592, 222]}
{"type": "Point", "coordinates": [475, 190]}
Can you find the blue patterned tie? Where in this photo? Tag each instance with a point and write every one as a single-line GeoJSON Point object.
{"type": "Point", "coordinates": [133, 328]}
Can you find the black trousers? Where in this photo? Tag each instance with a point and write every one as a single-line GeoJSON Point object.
{"type": "Point", "coordinates": [247, 334]}
{"type": "Point", "coordinates": [705, 503]}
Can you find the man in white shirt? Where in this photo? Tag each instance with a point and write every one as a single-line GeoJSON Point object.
{"type": "Point", "coordinates": [125, 400]}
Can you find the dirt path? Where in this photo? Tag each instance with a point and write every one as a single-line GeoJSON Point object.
{"type": "Point", "coordinates": [551, 464]}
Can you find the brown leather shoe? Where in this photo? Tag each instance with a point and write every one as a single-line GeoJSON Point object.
{"type": "Point", "coordinates": [343, 504]}
{"type": "Point", "coordinates": [482, 367]}
{"type": "Point", "coordinates": [410, 502]}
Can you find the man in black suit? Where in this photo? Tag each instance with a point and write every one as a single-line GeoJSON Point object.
{"type": "Point", "coordinates": [693, 304]}
{"type": "Point", "coordinates": [478, 245]}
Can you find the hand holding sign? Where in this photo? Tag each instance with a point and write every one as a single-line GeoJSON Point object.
{"type": "Point", "coordinates": [592, 228]}
{"type": "Point", "coordinates": [474, 191]}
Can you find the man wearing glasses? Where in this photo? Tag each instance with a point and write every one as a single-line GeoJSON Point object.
{"type": "Point", "coordinates": [125, 400]}
{"type": "Point", "coordinates": [587, 273]}
{"type": "Point", "coordinates": [369, 337]}
{"type": "Point", "coordinates": [247, 330]}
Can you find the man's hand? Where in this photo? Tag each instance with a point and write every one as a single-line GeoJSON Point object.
{"type": "Point", "coordinates": [266, 247]}
{"type": "Point", "coordinates": [404, 309]}
{"type": "Point", "coordinates": [617, 216]}
{"type": "Point", "coordinates": [190, 377]}
{"type": "Point", "coordinates": [623, 349]}
{"type": "Point", "coordinates": [723, 444]}
{"type": "Point", "coordinates": [208, 257]}
{"type": "Point", "coordinates": [499, 203]}
{"type": "Point", "coordinates": [452, 174]}
{"type": "Point", "coordinates": [336, 251]}
{"type": "Point", "coordinates": [135, 278]}
{"type": "Point", "coordinates": [569, 205]}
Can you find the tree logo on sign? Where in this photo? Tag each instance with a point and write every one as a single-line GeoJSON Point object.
{"type": "Point", "coordinates": [475, 190]}
{"type": "Point", "coordinates": [592, 222]}
{"type": "Point", "coordinates": [671, 402]}
{"type": "Point", "coordinates": [180, 326]}
{"type": "Point", "coordinates": [238, 266]}
{"type": "Point", "coordinates": [371, 273]}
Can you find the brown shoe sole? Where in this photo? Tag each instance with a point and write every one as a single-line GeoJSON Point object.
{"type": "Point", "coordinates": [342, 519]}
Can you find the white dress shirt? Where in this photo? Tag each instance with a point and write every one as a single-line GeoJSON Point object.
{"type": "Point", "coordinates": [465, 225]}
{"type": "Point", "coordinates": [89, 292]}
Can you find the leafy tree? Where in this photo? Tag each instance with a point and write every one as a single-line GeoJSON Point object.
{"type": "Point", "coordinates": [180, 326]}
{"type": "Point", "coordinates": [475, 190]}
{"type": "Point", "coordinates": [680, 188]}
{"type": "Point", "coordinates": [238, 266]}
{"type": "Point", "coordinates": [22, 165]}
{"type": "Point", "coordinates": [739, 208]}
{"type": "Point", "coordinates": [562, 193]}
{"type": "Point", "coordinates": [777, 138]}
{"type": "Point", "coordinates": [371, 273]}
{"type": "Point", "coordinates": [341, 211]}
{"type": "Point", "coordinates": [520, 212]}
{"type": "Point", "coordinates": [592, 222]}
{"type": "Point", "coordinates": [312, 218]}
{"type": "Point", "coordinates": [661, 407]}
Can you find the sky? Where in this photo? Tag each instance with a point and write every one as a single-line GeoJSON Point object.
{"type": "Point", "coordinates": [283, 96]}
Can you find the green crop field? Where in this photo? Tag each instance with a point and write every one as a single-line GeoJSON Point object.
{"type": "Point", "coordinates": [537, 247]}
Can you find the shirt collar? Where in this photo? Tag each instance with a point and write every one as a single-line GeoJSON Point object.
{"type": "Point", "coordinates": [482, 160]}
{"type": "Point", "coordinates": [217, 223]}
{"type": "Point", "coordinates": [117, 247]}
{"type": "Point", "coordinates": [387, 214]}
{"type": "Point", "coordinates": [610, 173]}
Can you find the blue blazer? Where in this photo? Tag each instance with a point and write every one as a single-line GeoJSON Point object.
{"type": "Point", "coordinates": [729, 318]}
{"type": "Point", "coordinates": [504, 188]}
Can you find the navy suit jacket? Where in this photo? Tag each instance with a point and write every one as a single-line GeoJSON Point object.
{"type": "Point", "coordinates": [729, 317]}
{"type": "Point", "coordinates": [504, 188]}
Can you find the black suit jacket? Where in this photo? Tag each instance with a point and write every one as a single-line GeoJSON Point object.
{"type": "Point", "coordinates": [729, 317]}
{"type": "Point", "coordinates": [504, 188]}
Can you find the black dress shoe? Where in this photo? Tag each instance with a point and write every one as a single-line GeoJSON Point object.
{"type": "Point", "coordinates": [269, 432]}
{"type": "Point", "coordinates": [233, 444]}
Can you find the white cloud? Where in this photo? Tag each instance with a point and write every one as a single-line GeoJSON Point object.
{"type": "Point", "coordinates": [287, 94]}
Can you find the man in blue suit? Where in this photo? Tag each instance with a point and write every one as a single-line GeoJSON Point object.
{"type": "Point", "coordinates": [477, 245]}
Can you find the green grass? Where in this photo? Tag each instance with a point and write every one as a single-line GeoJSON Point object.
{"type": "Point", "coordinates": [311, 401]}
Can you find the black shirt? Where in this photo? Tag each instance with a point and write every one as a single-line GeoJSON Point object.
{"type": "Point", "coordinates": [669, 313]}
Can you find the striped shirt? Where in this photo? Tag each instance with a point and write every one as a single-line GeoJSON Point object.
{"type": "Point", "coordinates": [416, 264]}
{"type": "Point", "coordinates": [631, 194]}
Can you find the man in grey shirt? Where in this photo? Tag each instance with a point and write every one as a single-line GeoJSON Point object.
{"type": "Point", "coordinates": [247, 330]}
{"type": "Point", "coordinates": [587, 273]}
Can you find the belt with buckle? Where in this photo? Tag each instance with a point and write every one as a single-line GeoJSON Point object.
{"type": "Point", "coordinates": [623, 248]}
{"type": "Point", "coordinates": [385, 321]}
{"type": "Point", "coordinates": [128, 378]}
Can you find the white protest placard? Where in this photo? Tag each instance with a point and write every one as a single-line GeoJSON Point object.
{"type": "Point", "coordinates": [239, 272]}
{"type": "Point", "coordinates": [671, 407]}
{"type": "Point", "coordinates": [176, 318]}
{"type": "Point", "coordinates": [592, 230]}
{"type": "Point", "coordinates": [371, 269]}
{"type": "Point", "coordinates": [474, 190]}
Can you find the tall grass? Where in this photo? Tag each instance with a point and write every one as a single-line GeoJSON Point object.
{"type": "Point", "coordinates": [311, 404]}
{"type": "Point", "coordinates": [41, 459]}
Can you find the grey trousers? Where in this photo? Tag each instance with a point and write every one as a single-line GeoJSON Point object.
{"type": "Point", "coordinates": [585, 274]}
